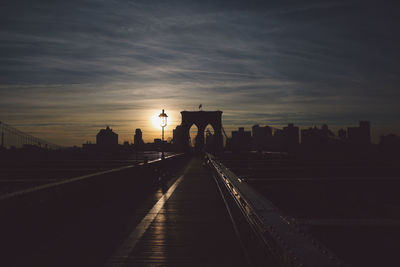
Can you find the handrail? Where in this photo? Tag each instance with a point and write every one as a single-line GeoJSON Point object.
{"type": "Point", "coordinates": [78, 178]}
{"type": "Point", "coordinates": [280, 233]}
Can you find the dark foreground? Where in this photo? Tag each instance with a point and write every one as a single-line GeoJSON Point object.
{"type": "Point", "coordinates": [141, 222]}
{"type": "Point", "coordinates": [351, 205]}
{"type": "Point", "coordinates": [182, 212]}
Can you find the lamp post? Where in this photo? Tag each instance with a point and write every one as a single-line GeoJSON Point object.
{"type": "Point", "coordinates": [163, 122]}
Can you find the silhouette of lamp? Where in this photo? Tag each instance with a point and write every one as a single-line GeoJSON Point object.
{"type": "Point", "coordinates": [163, 122]}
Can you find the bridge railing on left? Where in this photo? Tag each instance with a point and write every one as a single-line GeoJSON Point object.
{"type": "Point", "coordinates": [36, 209]}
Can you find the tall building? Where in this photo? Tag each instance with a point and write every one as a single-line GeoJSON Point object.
{"type": "Point", "coordinates": [315, 136]}
{"type": "Point", "coordinates": [360, 135]}
{"type": "Point", "coordinates": [290, 135]}
{"type": "Point", "coordinates": [157, 141]}
{"type": "Point", "coordinates": [106, 137]}
{"type": "Point", "coordinates": [278, 140]}
{"type": "Point", "coordinates": [138, 140]}
{"type": "Point", "coordinates": [261, 136]}
{"type": "Point", "coordinates": [241, 139]}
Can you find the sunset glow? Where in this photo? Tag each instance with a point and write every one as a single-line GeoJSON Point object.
{"type": "Point", "coordinates": [155, 121]}
{"type": "Point", "coordinates": [65, 85]}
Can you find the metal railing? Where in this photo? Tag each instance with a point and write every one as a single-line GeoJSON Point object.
{"type": "Point", "coordinates": [280, 234]}
{"type": "Point", "coordinates": [54, 185]}
{"type": "Point", "coordinates": [38, 212]}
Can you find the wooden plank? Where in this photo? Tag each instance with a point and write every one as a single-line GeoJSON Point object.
{"type": "Point", "coordinates": [192, 228]}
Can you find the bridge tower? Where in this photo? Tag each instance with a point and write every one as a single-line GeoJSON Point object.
{"type": "Point", "coordinates": [201, 119]}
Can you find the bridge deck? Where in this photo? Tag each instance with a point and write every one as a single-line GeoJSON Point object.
{"type": "Point", "coordinates": [191, 228]}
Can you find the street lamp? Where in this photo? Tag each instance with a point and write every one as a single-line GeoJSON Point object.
{"type": "Point", "coordinates": [163, 122]}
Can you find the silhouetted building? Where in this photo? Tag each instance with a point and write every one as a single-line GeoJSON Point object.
{"type": "Point", "coordinates": [106, 137]}
{"type": "Point", "coordinates": [241, 139]}
{"type": "Point", "coordinates": [261, 136]}
{"type": "Point", "coordinates": [360, 135]}
{"type": "Point", "coordinates": [157, 141]}
{"type": "Point", "coordinates": [88, 146]}
{"type": "Point", "coordinates": [290, 136]}
{"type": "Point", "coordinates": [138, 140]}
{"type": "Point", "coordinates": [315, 136]}
{"type": "Point", "coordinates": [278, 140]}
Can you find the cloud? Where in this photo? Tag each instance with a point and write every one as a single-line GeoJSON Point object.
{"type": "Point", "coordinates": [81, 63]}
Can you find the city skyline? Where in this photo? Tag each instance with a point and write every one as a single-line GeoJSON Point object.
{"type": "Point", "coordinates": [70, 68]}
{"type": "Point", "coordinates": [338, 134]}
{"type": "Point", "coordinates": [127, 134]}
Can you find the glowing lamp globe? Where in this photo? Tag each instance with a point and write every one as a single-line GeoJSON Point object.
{"type": "Point", "coordinates": [163, 119]}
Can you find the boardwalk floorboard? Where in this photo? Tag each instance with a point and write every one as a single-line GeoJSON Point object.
{"type": "Point", "coordinates": [192, 229]}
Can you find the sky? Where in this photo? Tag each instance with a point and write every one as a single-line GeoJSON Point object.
{"type": "Point", "coordinates": [70, 68]}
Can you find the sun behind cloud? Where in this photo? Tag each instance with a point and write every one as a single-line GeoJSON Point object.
{"type": "Point", "coordinates": [155, 121]}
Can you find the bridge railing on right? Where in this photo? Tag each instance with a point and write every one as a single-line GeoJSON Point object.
{"type": "Point", "coordinates": [280, 234]}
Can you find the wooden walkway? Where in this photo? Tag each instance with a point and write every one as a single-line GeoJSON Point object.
{"type": "Point", "coordinates": [191, 227]}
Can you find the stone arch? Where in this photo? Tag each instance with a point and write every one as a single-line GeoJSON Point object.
{"type": "Point", "coordinates": [202, 119]}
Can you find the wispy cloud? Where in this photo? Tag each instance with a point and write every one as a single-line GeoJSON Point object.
{"type": "Point", "coordinates": [70, 64]}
